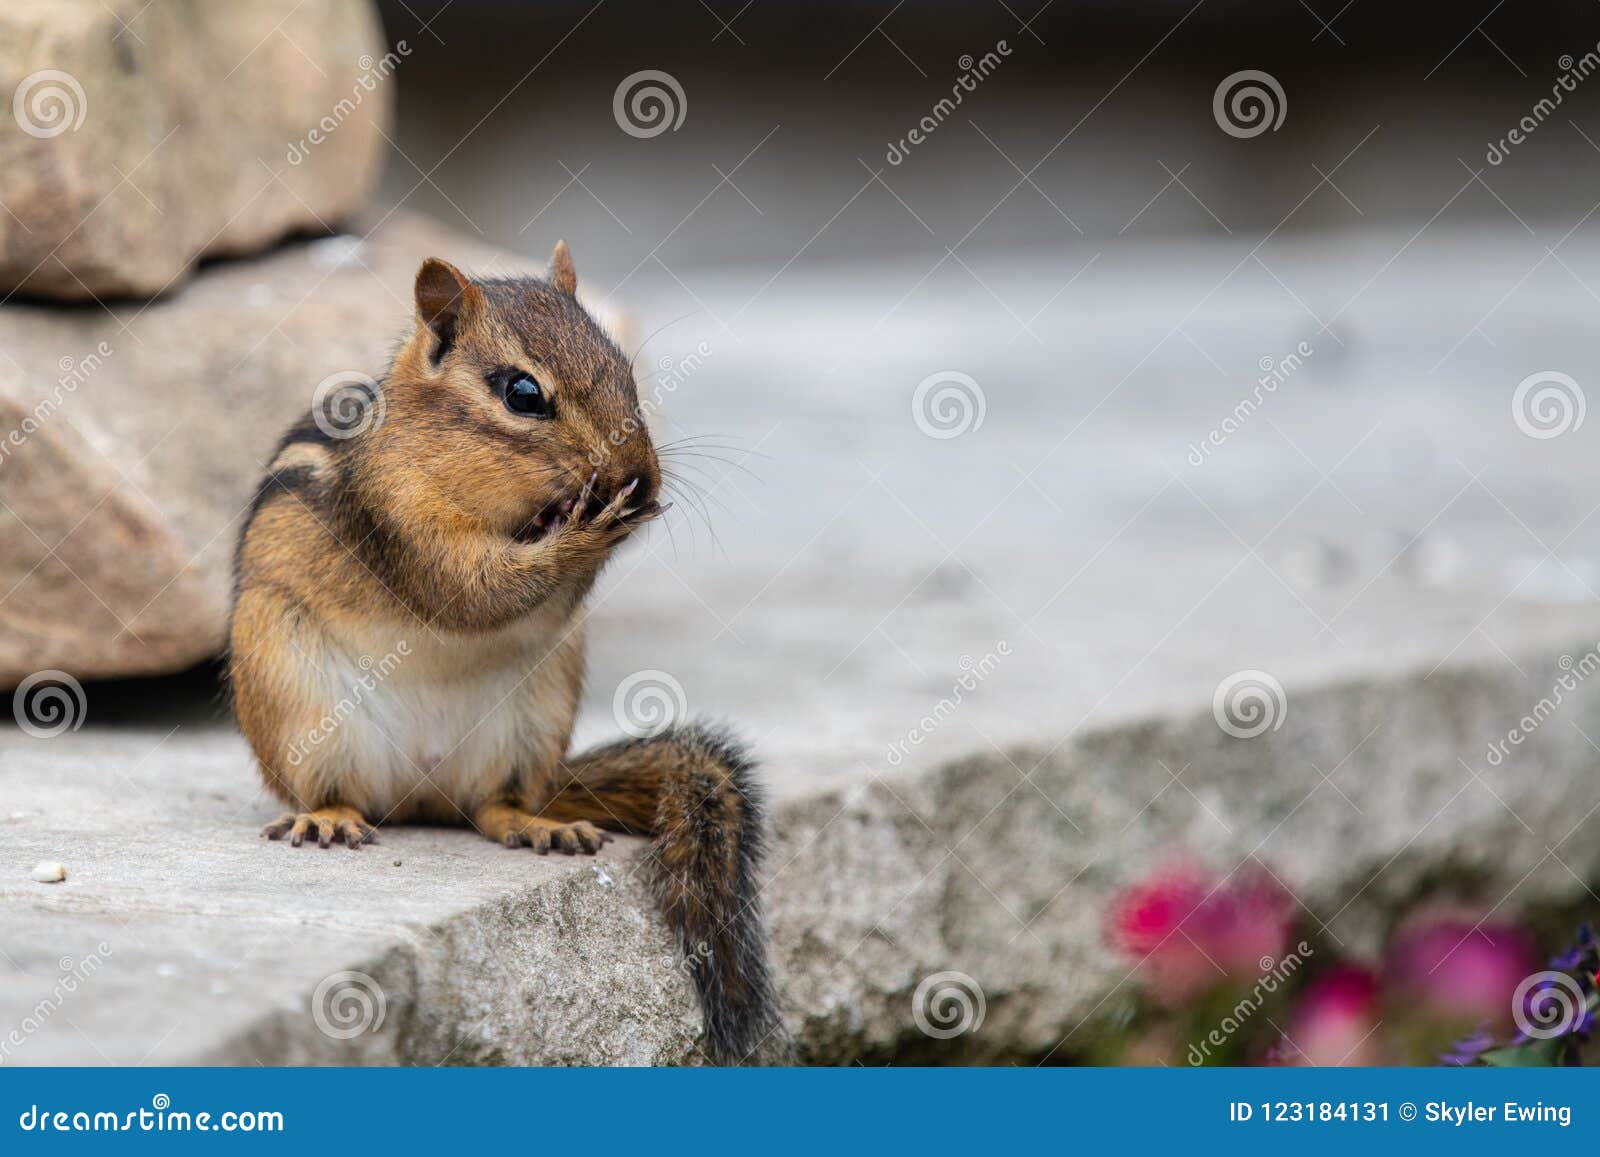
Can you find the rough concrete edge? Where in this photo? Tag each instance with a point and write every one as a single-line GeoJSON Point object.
{"type": "Point", "coordinates": [852, 941]}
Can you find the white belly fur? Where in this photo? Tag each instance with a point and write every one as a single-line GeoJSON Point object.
{"type": "Point", "coordinates": [417, 714]}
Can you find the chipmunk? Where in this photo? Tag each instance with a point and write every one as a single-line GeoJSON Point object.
{"type": "Point", "coordinates": [456, 528]}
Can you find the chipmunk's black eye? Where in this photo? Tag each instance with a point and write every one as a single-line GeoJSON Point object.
{"type": "Point", "coordinates": [525, 396]}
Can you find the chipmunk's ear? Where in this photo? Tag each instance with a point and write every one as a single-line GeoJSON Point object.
{"type": "Point", "coordinates": [444, 297]}
{"type": "Point", "coordinates": [563, 274]}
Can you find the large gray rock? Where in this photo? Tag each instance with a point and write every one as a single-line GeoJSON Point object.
{"type": "Point", "coordinates": [132, 439]}
{"type": "Point", "coordinates": [142, 137]}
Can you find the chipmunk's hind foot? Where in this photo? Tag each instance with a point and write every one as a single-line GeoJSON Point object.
{"type": "Point", "coordinates": [331, 825]}
{"type": "Point", "coordinates": [516, 828]}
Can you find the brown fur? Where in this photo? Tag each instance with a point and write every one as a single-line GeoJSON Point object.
{"type": "Point", "coordinates": [459, 539]}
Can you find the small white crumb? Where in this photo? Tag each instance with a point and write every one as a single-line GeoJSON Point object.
{"type": "Point", "coordinates": [49, 872]}
{"type": "Point", "coordinates": [601, 875]}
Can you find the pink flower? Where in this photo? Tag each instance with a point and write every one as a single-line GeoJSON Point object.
{"type": "Point", "coordinates": [1460, 968]}
{"type": "Point", "coordinates": [1189, 931]}
{"type": "Point", "coordinates": [1333, 1023]}
{"type": "Point", "coordinates": [1145, 916]}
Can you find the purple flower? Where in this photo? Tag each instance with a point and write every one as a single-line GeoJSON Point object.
{"type": "Point", "coordinates": [1584, 948]}
{"type": "Point", "coordinates": [1467, 1050]}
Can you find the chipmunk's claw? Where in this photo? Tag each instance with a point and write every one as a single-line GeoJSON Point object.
{"type": "Point", "coordinates": [331, 825]}
{"type": "Point", "coordinates": [571, 839]}
{"type": "Point", "coordinates": [519, 829]}
{"type": "Point", "coordinates": [614, 520]}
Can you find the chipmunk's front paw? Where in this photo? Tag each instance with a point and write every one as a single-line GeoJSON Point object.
{"type": "Point", "coordinates": [585, 521]}
{"type": "Point", "coordinates": [332, 825]}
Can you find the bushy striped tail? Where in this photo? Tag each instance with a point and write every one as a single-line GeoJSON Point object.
{"type": "Point", "coordinates": [694, 790]}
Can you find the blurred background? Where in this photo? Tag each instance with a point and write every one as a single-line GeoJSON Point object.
{"type": "Point", "coordinates": [1093, 100]}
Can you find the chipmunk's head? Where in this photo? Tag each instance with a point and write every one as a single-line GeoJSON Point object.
{"type": "Point", "coordinates": [509, 402]}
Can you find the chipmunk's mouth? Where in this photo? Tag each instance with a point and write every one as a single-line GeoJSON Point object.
{"type": "Point", "coordinates": [539, 527]}
{"type": "Point", "coordinates": [550, 517]}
